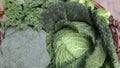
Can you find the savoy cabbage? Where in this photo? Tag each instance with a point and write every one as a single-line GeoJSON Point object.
{"type": "Point", "coordinates": [76, 35]}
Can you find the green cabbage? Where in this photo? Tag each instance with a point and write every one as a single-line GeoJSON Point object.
{"type": "Point", "coordinates": [72, 47]}
{"type": "Point", "coordinates": [76, 35]}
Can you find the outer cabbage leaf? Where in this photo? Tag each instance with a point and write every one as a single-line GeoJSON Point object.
{"type": "Point", "coordinates": [103, 13]}
{"type": "Point", "coordinates": [89, 3]}
{"type": "Point", "coordinates": [106, 65]}
{"type": "Point", "coordinates": [64, 11]}
{"type": "Point", "coordinates": [98, 55]}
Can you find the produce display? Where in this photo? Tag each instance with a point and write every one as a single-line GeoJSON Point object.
{"type": "Point", "coordinates": [78, 34]}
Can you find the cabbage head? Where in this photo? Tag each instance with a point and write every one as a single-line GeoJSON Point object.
{"type": "Point", "coordinates": [78, 37]}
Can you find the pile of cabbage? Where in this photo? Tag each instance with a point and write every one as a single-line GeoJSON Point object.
{"type": "Point", "coordinates": [78, 35]}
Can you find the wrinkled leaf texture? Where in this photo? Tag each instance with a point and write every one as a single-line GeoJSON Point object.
{"type": "Point", "coordinates": [74, 31]}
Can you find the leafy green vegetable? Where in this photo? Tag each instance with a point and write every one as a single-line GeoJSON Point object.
{"type": "Point", "coordinates": [21, 16]}
{"type": "Point", "coordinates": [97, 58]}
{"type": "Point", "coordinates": [89, 3]}
{"type": "Point", "coordinates": [106, 65]}
{"type": "Point", "coordinates": [28, 3]}
{"type": "Point", "coordinates": [82, 1]}
{"type": "Point", "coordinates": [68, 47]}
{"type": "Point", "coordinates": [104, 13]}
{"type": "Point", "coordinates": [73, 33]}
{"type": "Point", "coordinates": [47, 3]}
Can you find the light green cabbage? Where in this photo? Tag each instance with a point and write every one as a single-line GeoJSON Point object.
{"type": "Point", "coordinates": [72, 46]}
